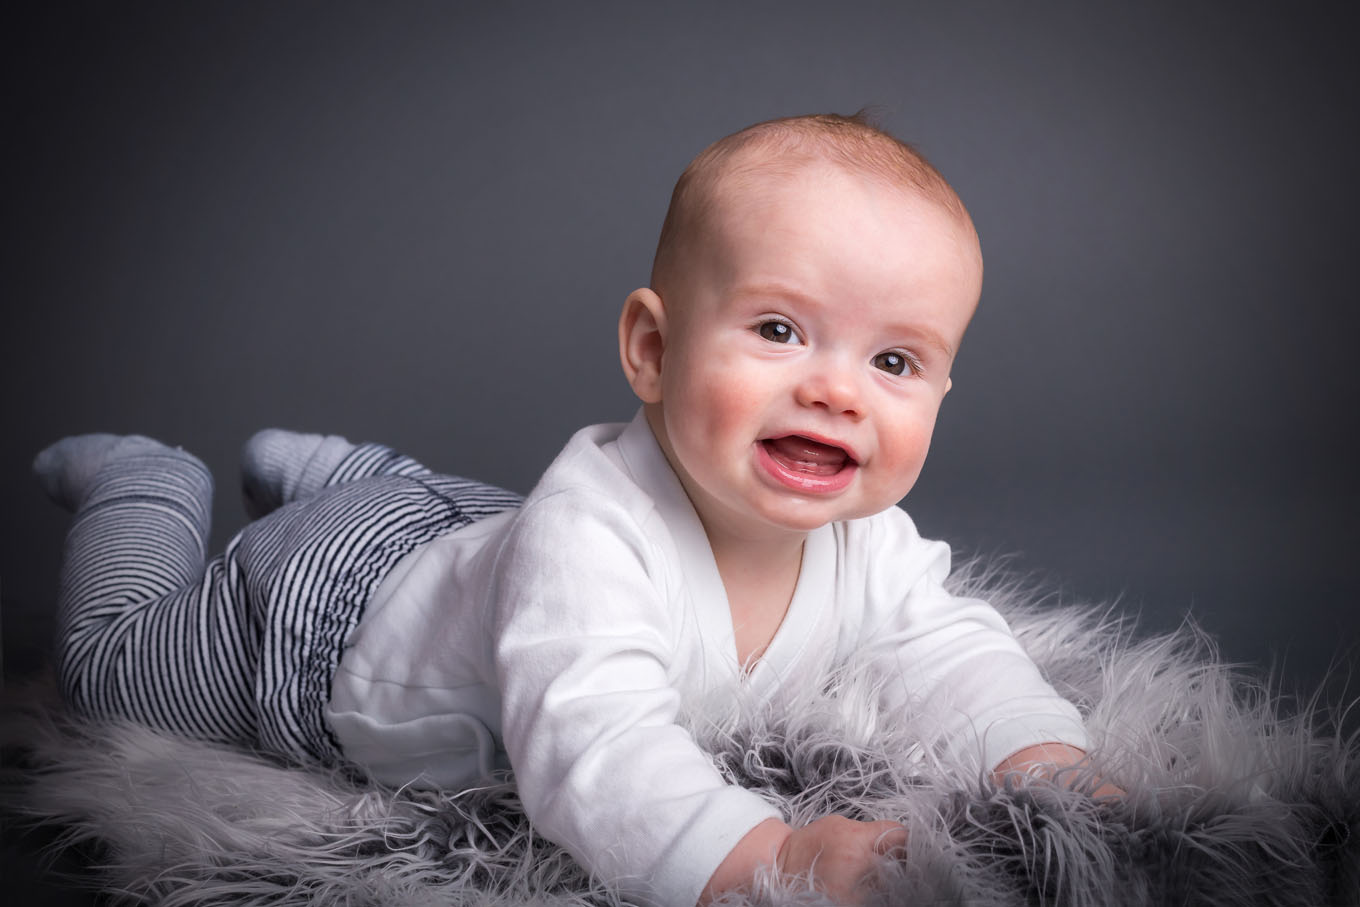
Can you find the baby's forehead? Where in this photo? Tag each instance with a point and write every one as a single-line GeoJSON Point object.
{"type": "Point", "coordinates": [749, 190]}
{"type": "Point", "coordinates": [748, 177]}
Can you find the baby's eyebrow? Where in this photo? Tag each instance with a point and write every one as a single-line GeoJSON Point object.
{"type": "Point", "coordinates": [774, 289]}
{"type": "Point", "coordinates": [926, 335]}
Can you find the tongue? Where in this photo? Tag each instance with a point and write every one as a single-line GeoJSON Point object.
{"type": "Point", "coordinates": [805, 455]}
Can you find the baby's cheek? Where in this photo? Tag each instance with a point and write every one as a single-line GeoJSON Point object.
{"type": "Point", "coordinates": [909, 444]}
{"type": "Point", "coordinates": [721, 398]}
{"type": "Point", "coordinates": [732, 403]}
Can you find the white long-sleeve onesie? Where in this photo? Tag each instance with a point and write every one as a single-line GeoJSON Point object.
{"type": "Point", "coordinates": [567, 636]}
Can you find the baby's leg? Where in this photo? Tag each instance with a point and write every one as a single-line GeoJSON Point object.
{"type": "Point", "coordinates": [350, 514]}
{"type": "Point", "coordinates": [143, 632]}
{"type": "Point", "coordinates": [279, 466]}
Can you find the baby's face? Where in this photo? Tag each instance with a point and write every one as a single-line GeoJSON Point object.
{"type": "Point", "coordinates": [808, 349]}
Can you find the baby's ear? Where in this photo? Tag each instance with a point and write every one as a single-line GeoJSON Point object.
{"type": "Point", "coordinates": [642, 340]}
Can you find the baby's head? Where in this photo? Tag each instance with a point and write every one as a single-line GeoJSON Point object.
{"type": "Point", "coordinates": [811, 288]}
{"type": "Point", "coordinates": [721, 171]}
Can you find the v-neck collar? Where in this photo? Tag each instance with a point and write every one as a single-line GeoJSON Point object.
{"type": "Point", "coordinates": [643, 458]}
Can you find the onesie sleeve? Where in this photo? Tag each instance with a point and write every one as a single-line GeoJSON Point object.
{"type": "Point", "coordinates": [584, 644]}
{"type": "Point", "coordinates": [952, 660]}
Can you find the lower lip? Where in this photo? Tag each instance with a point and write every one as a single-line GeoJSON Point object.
{"type": "Point", "coordinates": [805, 481]}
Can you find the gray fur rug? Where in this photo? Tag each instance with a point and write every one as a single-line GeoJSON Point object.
{"type": "Point", "coordinates": [1231, 799]}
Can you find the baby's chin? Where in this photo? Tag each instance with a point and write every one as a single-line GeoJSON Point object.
{"type": "Point", "coordinates": [802, 516]}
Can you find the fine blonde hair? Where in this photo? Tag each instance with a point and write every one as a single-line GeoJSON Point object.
{"type": "Point", "coordinates": [782, 145]}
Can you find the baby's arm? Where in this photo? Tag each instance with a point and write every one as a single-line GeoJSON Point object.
{"type": "Point", "coordinates": [841, 853]}
{"type": "Point", "coordinates": [838, 853]}
{"type": "Point", "coordinates": [586, 657]}
{"type": "Point", "coordinates": [1047, 760]}
{"type": "Point", "coordinates": [759, 850]}
{"type": "Point", "coordinates": [948, 661]}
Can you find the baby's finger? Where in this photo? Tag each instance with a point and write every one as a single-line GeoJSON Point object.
{"type": "Point", "coordinates": [892, 836]}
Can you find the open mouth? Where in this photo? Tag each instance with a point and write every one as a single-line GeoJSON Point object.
{"type": "Point", "coordinates": [807, 465]}
{"type": "Point", "coordinates": [800, 454]}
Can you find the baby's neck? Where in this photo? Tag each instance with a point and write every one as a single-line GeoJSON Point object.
{"type": "Point", "coordinates": [759, 579]}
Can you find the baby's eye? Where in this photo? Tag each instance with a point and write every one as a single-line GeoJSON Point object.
{"type": "Point", "coordinates": [895, 362]}
{"type": "Point", "coordinates": [778, 332]}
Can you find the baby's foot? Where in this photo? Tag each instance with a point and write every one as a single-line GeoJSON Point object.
{"type": "Point", "coordinates": [67, 469]}
{"type": "Point", "coordinates": [279, 466]}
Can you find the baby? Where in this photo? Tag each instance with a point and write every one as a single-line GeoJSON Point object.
{"type": "Point", "coordinates": [811, 288]}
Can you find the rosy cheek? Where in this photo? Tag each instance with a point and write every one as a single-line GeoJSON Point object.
{"type": "Point", "coordinates": [909, 446]}
{"type": "Point", "coordinates": [724, 398]}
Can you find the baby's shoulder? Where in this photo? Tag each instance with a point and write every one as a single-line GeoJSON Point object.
{"type": "Point", "coordinates": [586, 482]}
{"type": "Point", "coordinates": [888, 531]}
{"type": "Point", "coordinates": [888, 548]}
{"type": "Point", "coordinates": [581, 543]}
{"type": "Point", "coordinates": [588, 512]}
{"type": "Point", "coordinates": [583, 488]}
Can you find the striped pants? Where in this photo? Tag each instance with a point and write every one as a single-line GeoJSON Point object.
{"type": "Point", "coordinates": [241, 649]}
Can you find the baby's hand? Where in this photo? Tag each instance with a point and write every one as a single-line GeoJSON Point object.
{"type": "Point", "coordinates": [841, 853]}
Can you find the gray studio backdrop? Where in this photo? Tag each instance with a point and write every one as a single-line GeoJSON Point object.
{"type": "Point", "coordinates": [416, 223]}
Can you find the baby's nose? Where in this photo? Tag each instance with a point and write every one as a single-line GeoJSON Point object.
{"type": "Point", "coordinates": [831, 386]}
